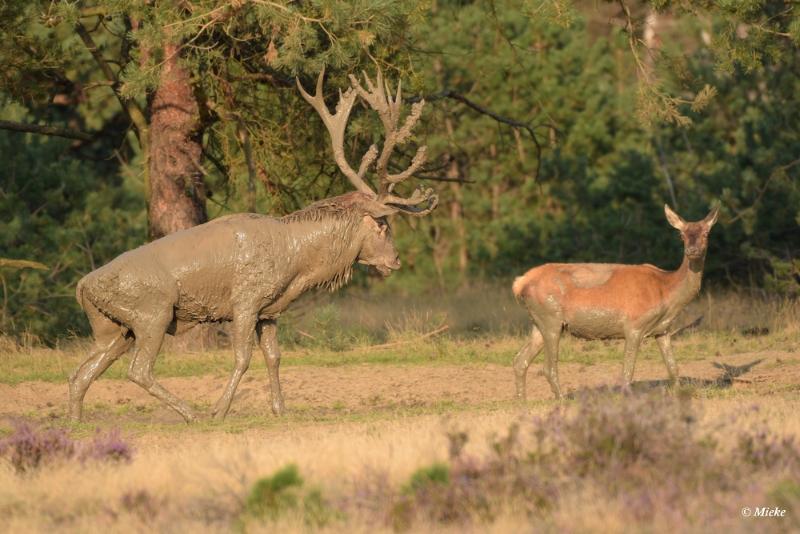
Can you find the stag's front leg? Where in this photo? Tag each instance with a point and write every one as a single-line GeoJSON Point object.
{"type": "Point", "coordinates": [244, 326]}
{"type": "Point", "coordinates": [268, 341]}
{"type": "Point", "coordinates": [665, 345]}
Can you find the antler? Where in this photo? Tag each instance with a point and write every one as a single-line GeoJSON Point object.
{"type": "Point", "coordinates": [379, 98]}
{"type": "Point", "coordinates": [336, 125]}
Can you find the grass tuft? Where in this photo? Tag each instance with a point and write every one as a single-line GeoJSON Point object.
{"type": "Point", "coordinates": [281, 494]}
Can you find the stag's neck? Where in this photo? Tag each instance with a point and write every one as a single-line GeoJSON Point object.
{"type": "Point", "coordinates": [323, 253]}
{"type": "Point", "coordinates": [687, 281]}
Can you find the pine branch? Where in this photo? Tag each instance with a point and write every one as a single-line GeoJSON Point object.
{"type": "Point", "coordinates": [55, 131]}
{"type": "Point", "coordinates": [527, 127]}
{"type": "Point", "coordinates": [132, 109]}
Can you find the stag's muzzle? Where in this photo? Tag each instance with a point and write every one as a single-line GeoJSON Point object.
{"type": "Point", "coordinates": [387, 269]}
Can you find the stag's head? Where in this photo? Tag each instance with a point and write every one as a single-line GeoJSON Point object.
{"type": "Point", "coordinates": [377, 248]}
{"type": "Point", "coordinates": [694, 234]}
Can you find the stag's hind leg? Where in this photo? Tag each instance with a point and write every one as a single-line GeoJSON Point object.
{"type": "Point", "coordinates": [268, 340]}
{"type": "Point", "coordinates": [110, 342]}
{"type": "Point", "coordinates": [523, 359]}
{"type": "Point", "coordinates": [149, 336]}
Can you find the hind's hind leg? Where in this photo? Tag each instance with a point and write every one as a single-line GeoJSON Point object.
{"type": "Point", "coordinates": [524, 357]}
{"type": "Point", "coordinates": [110, 342]}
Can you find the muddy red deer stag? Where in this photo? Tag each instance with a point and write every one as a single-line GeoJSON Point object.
{"type": "Point", "coordinates": [247, 268]}
{"type": "Point", "coordinates": [608, 301]}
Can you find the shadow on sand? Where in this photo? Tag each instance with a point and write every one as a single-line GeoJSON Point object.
{"type": "Point", "coordinates": [730, 374]}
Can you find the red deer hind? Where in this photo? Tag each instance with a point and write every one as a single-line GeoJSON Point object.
{"type": "Point", "coordinates": [608, 301]}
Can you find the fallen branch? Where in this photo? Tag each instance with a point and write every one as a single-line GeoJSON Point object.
{"type": "Point", "coordinates": [693, 324]}
{"type": "Point", "coordinates": [22, 264]}
{"type": "Point", "coordinates": [305, 334]}
{"type": "Point", "coordinates": [432, 333]}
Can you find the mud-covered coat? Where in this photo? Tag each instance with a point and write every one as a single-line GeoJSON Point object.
{"type": "Point", "coordinates": [244, 268]}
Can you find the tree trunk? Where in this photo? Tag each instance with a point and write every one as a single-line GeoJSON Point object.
{"type": "Point", "coordinates": [457, 218]}
{"type": "Point", "coordinates": [176, 195]}
{"type": "Point", "coordinates": [457, 214]}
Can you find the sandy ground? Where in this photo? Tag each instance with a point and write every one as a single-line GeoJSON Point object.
{"type": "Point", "coordinates": [346, 428]}
{"type": "Point", "coordinates": [366, 388]}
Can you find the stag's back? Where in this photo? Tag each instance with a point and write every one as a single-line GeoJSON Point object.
{"type": "Point", "coordinates": [198, 269]}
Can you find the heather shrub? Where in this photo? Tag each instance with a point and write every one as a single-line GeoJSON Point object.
{"type": "Point", "coordinates": [645, 452]}
{"type": "Point", "coordinates": [108, 447]}
{"type": "Point", "coordinates": [763, 449]}
{"type": "Point", "coordinates": [29, 447]}
{"type": "Point", "coordinates": [142, 504]}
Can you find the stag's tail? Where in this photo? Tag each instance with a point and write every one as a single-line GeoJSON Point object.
{"type": "Point", "coordinates": [79, 293]}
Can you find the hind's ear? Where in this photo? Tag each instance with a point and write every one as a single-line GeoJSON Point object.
{"type": "Point", "coordinates": [674, 219]}
{"type": "Point", "coordinates": [711, 218]}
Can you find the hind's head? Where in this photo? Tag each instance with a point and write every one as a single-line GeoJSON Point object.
{"type": "Point", "coordinates": [694, 234]}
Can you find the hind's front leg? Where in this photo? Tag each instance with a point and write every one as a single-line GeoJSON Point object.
{"type": "Point", "coordinates": [633, 338]}
{"type": "Point", "coordinates": [268, 341]}
{"type": "Point", "coordinates": [665, 345]}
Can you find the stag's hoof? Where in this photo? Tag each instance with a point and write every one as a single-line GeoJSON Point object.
{"type": "Point", "coordinates": [277, 408]}
{"type": "Point", "coordinates": [189, 416]}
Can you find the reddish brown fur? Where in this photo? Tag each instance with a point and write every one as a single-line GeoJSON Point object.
{"type": "Point", "coordinates": [597, 300]}
{"type": "Point", "coordinates": [631, 289]}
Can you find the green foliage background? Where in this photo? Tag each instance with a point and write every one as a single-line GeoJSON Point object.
{"type": "Point", "coordinates": [611, 140]}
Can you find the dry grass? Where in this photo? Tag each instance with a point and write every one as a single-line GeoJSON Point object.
{"type": "Point", "coordinates": [200, 481]}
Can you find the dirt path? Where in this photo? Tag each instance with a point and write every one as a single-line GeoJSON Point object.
{"type": "Point", "coordinates": [363, 388]}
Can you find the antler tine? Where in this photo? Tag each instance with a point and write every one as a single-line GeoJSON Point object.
{"type": "Point", "coordinates": [410, 205]}
{"type": "Point", "coordinates": [416, 162]}
{"type": "Point", "coordinates": [397, 103]}
{"type": "Point", "coordinates": [336, 125]}
{"type": "Point", "coordinates": [372, 95]}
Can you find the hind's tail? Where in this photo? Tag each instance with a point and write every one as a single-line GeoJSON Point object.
{"type": "Point", "coordinates": [518, 287]}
